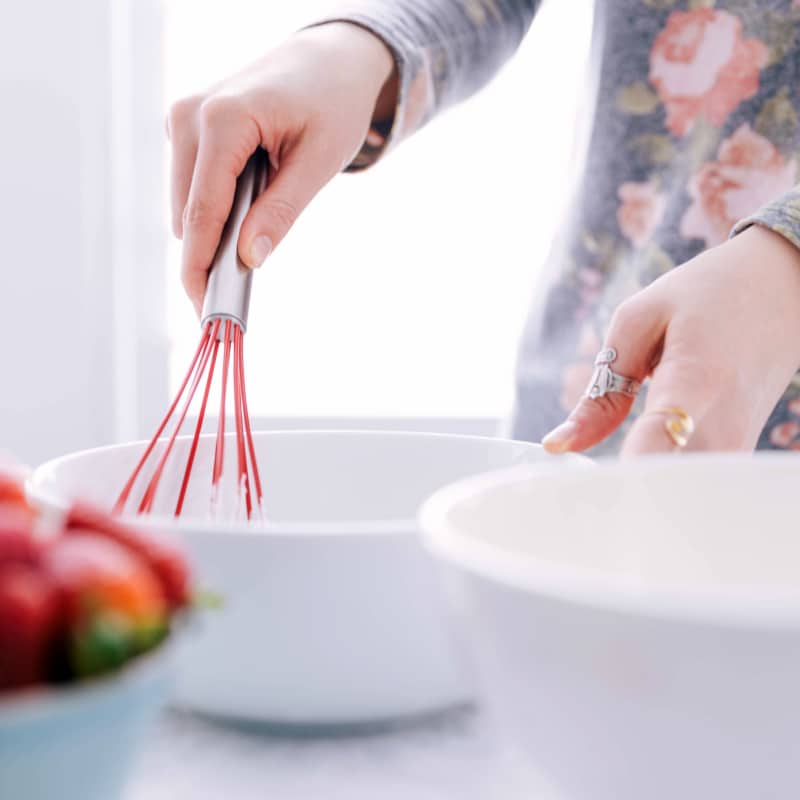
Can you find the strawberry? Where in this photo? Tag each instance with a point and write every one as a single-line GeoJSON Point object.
{"type": "Point", "coordinates": [17, 543]}
{"type": "Point", "coordinates": [29, 621]}
{"type": "Point", "coordinates": [12, 490]}
{"type": "Point", "coordinates": [113, 603]}
{"type": "Point", "coordinates": [12, 493]}
{"type": "Point", "coordinates": [165, 560]}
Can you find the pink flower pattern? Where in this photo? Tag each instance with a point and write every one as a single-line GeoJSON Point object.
{"type": "Point", "coordinates": [749, 172]}
{"type": "Point", "coordinates": [702, 65]}
{"type": "Point", "coordinates": [640, 211]}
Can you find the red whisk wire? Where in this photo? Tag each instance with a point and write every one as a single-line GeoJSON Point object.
{"type": "Point", "coordinates": [199, 427]}
{"type": "Point", "coordinates": [203, 364]}
{"type": "Point", "coordinates": [146, 504]}
{"type": "Point", "coordinates": [219, 452]}
{"type": "Point", "coordinates": [243, 482]}
{"type": "Point", "coordinates": [125, 493]}
{"type": "Point", "coordinates": [246, 420]}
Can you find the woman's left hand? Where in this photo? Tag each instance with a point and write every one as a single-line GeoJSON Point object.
{"type": "Point", "coordinates": [719, 337]}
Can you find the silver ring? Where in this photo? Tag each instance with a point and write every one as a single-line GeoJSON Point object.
{"type": "Point", "coordinates": [605, 380]}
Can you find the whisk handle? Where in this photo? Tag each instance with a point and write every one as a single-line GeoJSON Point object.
{"type": "Point", "coordinates": [229, 280]}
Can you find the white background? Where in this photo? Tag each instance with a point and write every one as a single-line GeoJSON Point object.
{"type": "Point", "coordinates": [82, 358]}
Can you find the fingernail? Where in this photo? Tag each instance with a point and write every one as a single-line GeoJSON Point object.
{"type": "Point", "coordinates": [259, 250]}
{"type": "Point", "coordinates": [560, 438]}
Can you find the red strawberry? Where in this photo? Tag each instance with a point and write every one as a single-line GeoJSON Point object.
{"type": "Point", "coordinates": [29, 622]}
{"type": "Point", "coordinates": [12, 493]}
{"type": "Point", "coordinates": [113, 603]}
{"type": "Point", "coordinates": [166, 561]}
{"type": "Point", "coordinates": [11, 489]}
{"type": "Point", "coordinates": [17, 543]}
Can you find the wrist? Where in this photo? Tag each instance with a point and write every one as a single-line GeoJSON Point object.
{"type": "Point", "coordinates": [771, 267]}
{"type": "Point", "coordinates": [353, 49]}
{"type": "Point", "coordinates": [769, 252]}
{"type": "Point", "coordinates": [779, 247]}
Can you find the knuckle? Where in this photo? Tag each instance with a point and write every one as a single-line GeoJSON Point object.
{"type": "Point", "coordinates": [218, 109]}
{"type": "Point", "coordinates": [630, 317]}
{"type": "Point", "coordinates": [182, 112]}
{"type": "Point", "coordinates": [610, 405]}
{"type": "Point", "coordinates": [200, 213]}
{"type": "Point", "coordinates": [266, 95]}
{"type": "Point", "coordinates": [284, 211]}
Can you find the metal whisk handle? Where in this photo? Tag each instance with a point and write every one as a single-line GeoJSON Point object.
{"type": "Point", "coordinates": [229, 280]}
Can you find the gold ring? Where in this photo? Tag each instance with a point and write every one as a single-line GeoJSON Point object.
{"type": "Point", "coordinates": [679, 425]}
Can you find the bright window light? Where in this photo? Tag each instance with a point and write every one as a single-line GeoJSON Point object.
{"type": "Point", "coordinates": [401, 291]}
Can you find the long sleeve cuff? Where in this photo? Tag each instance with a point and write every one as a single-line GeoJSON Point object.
{"type": "Point", "coordinates": [444, 51]}
{"type": "Point", "coordinates": [415, 96]}
{"type": "Point", "coordinates": [781, 215]}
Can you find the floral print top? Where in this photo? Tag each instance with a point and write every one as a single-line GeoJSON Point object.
{"type": "Point", "coordinates": [694, 133]}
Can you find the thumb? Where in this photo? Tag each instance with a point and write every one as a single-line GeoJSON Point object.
{"type": "Point", "coordinates": [302, 173]}
{"type": "Point", "coordinates": [632, 346]}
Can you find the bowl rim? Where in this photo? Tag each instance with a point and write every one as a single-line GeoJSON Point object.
{"type": "Point", "coordinates": [42, 700]}
{"type": "Point", "coordinates": [359, 528]}
{"type": "Point", "coordinates": [739, 605]}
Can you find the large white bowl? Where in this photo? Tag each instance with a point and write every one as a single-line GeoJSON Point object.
{"type": "Point", "coordinates": [636, 627]}
{"type": "Point", "coordinates": [332, 611]}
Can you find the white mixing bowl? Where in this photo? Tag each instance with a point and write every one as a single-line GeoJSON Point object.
{"type": "Point", "coordinates": [636, 627]}
{"type": "Point", "coordinates": [332, 612]}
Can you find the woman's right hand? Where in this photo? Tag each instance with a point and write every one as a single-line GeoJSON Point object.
{"type": "Point", "coordinates": [309, 104]}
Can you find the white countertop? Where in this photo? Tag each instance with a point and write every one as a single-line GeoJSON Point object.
{"type": "Point", "coordinates": [454, 757]}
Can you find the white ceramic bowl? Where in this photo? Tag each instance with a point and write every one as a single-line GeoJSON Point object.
{"type": "Point", "coordinates": [636, 627]}
{"type": "Point", "coordinates": [79, 742]}
{"type": "Point", "coordinates": [333, 614]}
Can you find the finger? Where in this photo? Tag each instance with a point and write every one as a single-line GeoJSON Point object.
{"type": "Point", "coordinates": [222, 152]}
{"type": "Point", "coordinates": [184, 154]}
{"type": "Point", "coordinates": [181, 124]}
{"type": "Point", "coordinates": [303, 172]}
{"type": "Point", "coordinates": [207, 208]}
{"type": "Point", "coordinates": [677, 386]}
{"type": "Point", "coordinates": [636, 333]}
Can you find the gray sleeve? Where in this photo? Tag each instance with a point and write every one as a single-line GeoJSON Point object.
{"type": "Point", "coordinates": [445, 50]}
{"type": "Point", "coordinates": [782, 215]}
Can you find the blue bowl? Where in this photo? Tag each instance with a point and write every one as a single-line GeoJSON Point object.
{"type": "Point", "coordinates": [78, 742]}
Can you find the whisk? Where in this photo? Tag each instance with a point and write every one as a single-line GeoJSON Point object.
{"type": "Point", "coordinates": [223, 321]}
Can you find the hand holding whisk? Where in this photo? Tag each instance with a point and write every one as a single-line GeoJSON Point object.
{"type": "Point", "coordinates": [223, 322]}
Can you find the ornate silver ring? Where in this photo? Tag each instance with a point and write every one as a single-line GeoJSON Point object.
{"type": "Point", "coordinates": [605, 380]}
